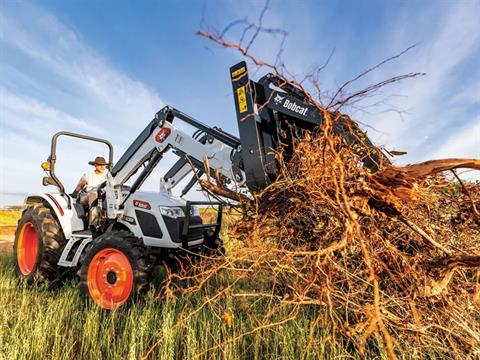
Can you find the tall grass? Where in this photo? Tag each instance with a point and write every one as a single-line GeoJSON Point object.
{"type": "Point", "coordinates": [36, 323]}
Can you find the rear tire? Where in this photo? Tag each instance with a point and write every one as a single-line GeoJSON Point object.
{"type": "Point", "coordinates": [38, 245]}
{"type": "Point", "coordinates": [115, 269]}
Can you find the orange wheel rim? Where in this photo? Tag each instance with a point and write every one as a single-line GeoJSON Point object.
{"type": "Point", "coordinates": [110, 278]}
{"type": "Point", "coordinates": [27, 248]}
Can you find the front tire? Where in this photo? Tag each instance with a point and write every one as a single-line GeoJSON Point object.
{"type": "Point", "coordinates": [214, 247]}
{"type": "Point", "coordinates": [38, 245]}
{"type": "Point", "coordinates": [114, 270]}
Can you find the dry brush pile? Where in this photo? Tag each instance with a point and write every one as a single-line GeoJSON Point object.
{"type": "Point", "coordinates": [389, 258]}
{"type": "Point", "coordinates": [394, 252]}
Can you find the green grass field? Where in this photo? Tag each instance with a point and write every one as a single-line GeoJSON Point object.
{"type": "Point", "coordinates": [36, 323]}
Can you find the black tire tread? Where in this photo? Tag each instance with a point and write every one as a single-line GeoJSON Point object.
{"type": "Point", "coordinates": [52, 241]}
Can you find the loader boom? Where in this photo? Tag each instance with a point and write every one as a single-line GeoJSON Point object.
{"type": "Point", "coordinates": [209, 146]}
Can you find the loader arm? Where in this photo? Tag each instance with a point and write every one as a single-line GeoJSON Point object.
{"type": "Point", "coordinates": [208, 145]}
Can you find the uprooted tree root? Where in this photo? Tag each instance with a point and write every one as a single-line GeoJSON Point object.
{"type": "Point", "coordinates": [390, 259]}
{"type": "Point", "coordinates": [395, 252]}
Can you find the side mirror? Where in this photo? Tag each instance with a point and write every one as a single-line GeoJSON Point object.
{"type": "Point", "coordinates": [47, 180]}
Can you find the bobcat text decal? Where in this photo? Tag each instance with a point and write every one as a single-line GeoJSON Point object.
{"type": "Point", "coordinates": [290, 105]}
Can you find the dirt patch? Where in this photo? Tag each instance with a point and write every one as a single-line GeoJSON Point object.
{"type": "Point", "coordinates": [7, 235]}
{"type": "Point", "coordinates": [6, 244]}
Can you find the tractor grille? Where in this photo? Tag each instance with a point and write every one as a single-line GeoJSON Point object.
{"type": "Point", "coordinates": [175, 227]}
{"type": "Point", "coordinates": [148, 223]}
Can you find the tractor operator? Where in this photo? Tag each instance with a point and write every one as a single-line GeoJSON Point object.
{"type": "Point", "coordinates": [90, 181]}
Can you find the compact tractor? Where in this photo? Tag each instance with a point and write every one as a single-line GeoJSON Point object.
{"type": "Point", "coordinates": [136, 230]}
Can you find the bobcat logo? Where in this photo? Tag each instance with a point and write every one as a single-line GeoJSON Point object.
{"type": "Point", "coordinates": [278, 99]}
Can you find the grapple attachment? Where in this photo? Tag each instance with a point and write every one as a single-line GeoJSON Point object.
{"type": "Point", "coordinates": [271, 112]}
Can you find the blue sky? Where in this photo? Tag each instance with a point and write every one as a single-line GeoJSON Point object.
{"type": "Point", "coordinates": [105, 67]}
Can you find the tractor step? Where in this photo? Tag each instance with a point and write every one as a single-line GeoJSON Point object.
{"type": "Point", "coordinates": [82, 233]}
{"type": "Point", "coordinates": [84, 237]}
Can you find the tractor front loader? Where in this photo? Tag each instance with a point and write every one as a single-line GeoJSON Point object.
{"type": "Point", "coordinates": [136, 230]}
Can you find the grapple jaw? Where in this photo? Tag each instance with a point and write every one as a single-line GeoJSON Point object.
{"type": "Point", "coordinates": [268, 117]}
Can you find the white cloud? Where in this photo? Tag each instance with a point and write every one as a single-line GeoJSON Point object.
{"type": "Point", "coordinates": [465, 140]}
{"type": "Point", "coordinates": [86, 75]}
{"type": "Point", "coordinates": [51, 80]}
{"type": "Point", "coordinates": [29, 115]}
{"type": "Point", "coordinates": [437, 104]}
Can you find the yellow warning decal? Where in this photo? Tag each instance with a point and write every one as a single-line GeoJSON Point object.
{"type": "Point", "coordinates": [239, 72]}
{"type": "Point", "coordinates": [242, 99]}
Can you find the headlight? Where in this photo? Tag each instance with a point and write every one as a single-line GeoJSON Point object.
{"type": "Point", "coordinates": [172, 212]}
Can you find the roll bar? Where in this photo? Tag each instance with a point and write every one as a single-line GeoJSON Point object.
{"type": "Point", "coordinates": [53, 153]}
